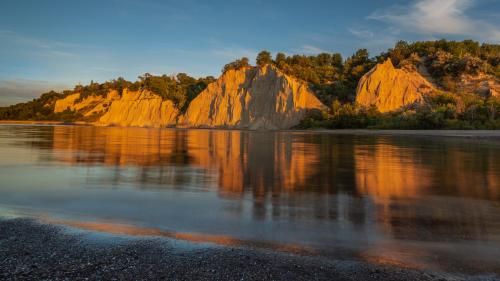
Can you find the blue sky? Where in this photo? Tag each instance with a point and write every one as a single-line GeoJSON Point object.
{"type": "Point", "coordinates": [56, 44]}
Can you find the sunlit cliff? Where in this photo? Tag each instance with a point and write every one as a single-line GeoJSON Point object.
{"type": "Point", "coordinates": [388, 88]}
{"type": "Point", "coordinates": [245, 98]}
{"type": "Point", "coordinates": [253, 98]}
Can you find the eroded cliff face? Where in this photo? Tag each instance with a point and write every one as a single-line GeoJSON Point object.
{"type": "Point", "coordinates": [88, 106]}
{"type": "Point", "coordinates": [66, 103]}
{"type": "Point", "coordinates": [251, 98]}
{"type": "Point", "coordinates": [248, 98]}
{"type": "Point", "coordinates": [389, 89]}
{"type": "Point", "coordinates": [481, 84]}
{"type": "Point", "coordinates": [140, 109]}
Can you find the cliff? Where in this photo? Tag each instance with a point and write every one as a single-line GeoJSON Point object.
{"type": "Point", "coordinates": [389, 89]}
{"type": "Point", "coordinates": [140, 109]}
{"type": "Point", "coordinates": [481, 84]}
{"type": "Point", "coordinates": [88, 106]}
{"type": "Point", "coordinates": [251, 98]}
{"type": "Point", "coordinates": [247, 98]}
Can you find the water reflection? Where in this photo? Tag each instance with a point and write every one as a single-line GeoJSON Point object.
{"type": "Point", "coordinates": [276, 163]}
{"type": "Point", "coordinates": [318, 189]}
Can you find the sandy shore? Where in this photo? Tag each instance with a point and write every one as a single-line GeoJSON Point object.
{"type": "Point", "coordinates": [33, 122]}
{"type": "Point", "coordinates": [31, 250]}
{"type": "Point", "coordinates": [428, 133]}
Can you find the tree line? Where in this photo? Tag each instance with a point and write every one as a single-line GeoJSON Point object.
{"type": "Point", "coordinates": [334, 80]}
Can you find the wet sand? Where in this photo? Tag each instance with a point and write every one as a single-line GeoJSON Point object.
{"type": "Point", "coordinates": [32, 250]}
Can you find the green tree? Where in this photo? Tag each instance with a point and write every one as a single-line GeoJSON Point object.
{"type": "Point", "coordinates": [280, 60]}
{"type": "Point", "coordinates": [244, 62]}
{"type": "Point", "coordinates": [237, 64]}
{"type": "Point", "coordinates": [337, 61]}
{"type": "Point", "coordinates": [324, 59]}
{"type": "Point", "coordinates": [400, 52]}
{"type": "Point", "coordinates": [263, 58]}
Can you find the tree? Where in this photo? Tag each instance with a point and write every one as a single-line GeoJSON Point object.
{"type": "Point", "coordinates": [280, 60]}
{"type": "Point", "coordinates": [237, 64]}
{"type": "Point", "coordinates": [264, 58]}
{"type": "Point", "coordinates": [357, 65]}
{"type": "Point", "coordinates": [400, 52]}
{"type": "Point", "coordinates": [323, 59]}
{"type": "Point", "coordinates": [337, 61]}
{"type": "Point", "coordinates": [244, 62]}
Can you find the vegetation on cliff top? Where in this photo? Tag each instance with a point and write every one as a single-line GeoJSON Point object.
{"type": "Point", "coordinates": [442, 111]}
{"type": "Point", "coordinates": [41, 109]}
{"type": "Point", "coordinates": [446, 62]}
{"type": "Point", "coordinates": [181, 89]}
{"type": "Point", "coordinates": [334, 80]}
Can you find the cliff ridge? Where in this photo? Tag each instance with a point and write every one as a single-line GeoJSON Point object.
{"type": "Point", "coordinates": [244, 98]}
{"type": "Point", "coordinates": [252, 98]}
{"type": "Point", "coordinates": [388, 88]}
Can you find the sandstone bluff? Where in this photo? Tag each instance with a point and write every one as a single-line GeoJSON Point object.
{"type": "Point", "coordinates": [254, 98]}
{"type": "Point", "coordinates": [391, 89]}
{"type": "Point", "coordinates": [263, 98]}
{"type": "Point", "coordinates": [388, 88]}
{"type": "Point", "coordinates": [247, 98]}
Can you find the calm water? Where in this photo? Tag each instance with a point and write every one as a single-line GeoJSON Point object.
{"type": "Point", "coordinates": [417, 201]}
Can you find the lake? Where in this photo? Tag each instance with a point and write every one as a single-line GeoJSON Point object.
{"type": "Point", "coordinates": [416, 201]}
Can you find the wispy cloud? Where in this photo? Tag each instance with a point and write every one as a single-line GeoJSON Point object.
{"type": "Point", "coordinates": [234, 52]}
{"type": "Point", "coordinates": [32, 41]}
{"type": "Point", "coordinates": [106, 69]}
{"type": "Point", "coordinates": [40, 46]}
{"type": "Point", "coordinates": [309, 50]}
{"type": "Point", "coordinates": [439, 17]}
{"type": "Point", "coordinates": [21, 90]}
{"type": "Point", "coordinates": [361, 33]}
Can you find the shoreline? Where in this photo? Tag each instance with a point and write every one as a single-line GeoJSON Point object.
{"type": "Point", "coordinates": [422, 133]}
{"type": "Point", "coordinates": [34, 122]}
{"type": "Point", "coordinates": [31, 249]}
{"type": "Point", "coordinates": [358, 132]}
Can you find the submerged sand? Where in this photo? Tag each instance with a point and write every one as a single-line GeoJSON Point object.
{"type": "Point", "coordinates": [32, 250]}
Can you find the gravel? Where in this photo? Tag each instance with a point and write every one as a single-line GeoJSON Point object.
{"type": "Point", "coordinates": [31, 250]}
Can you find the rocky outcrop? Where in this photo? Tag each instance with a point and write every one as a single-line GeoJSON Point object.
{"type": "Point", "coordinates": [140, 109]}
{"type": "Point", "coordinates": [247, 98]}
{"type": "Point", "coordinates": [482, 84]}
{"type": "Point", "coordinates": [252, 98]}
{"type": "Point", "coordinates": [389, 89]}
{"type": "Point", "coordinates": [93, 104]}
{"type": "Point", "coordinates": [66, 103]}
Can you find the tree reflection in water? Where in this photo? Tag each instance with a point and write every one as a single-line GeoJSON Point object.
{"type": "Point", "coordinates": [410, 188]}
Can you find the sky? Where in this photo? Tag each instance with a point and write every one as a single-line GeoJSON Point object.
{"type": "Point", "coordinates": [58, 43]}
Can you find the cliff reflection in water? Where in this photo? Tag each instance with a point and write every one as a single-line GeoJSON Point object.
{"type": "Point", "coordinates": [424, 189]}
{"type": "Point", "coordinates": [275, 163]}
{"type": "Point", "coordinates": [239, 161]}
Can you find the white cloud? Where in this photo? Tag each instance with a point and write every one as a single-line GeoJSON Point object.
{"type": "Point", "coordinates": [363, 34]}
{"type": "Point", "coordinates": [233, 52]}
{"type": "Point", "coordinates": [227, 51]}
{"type": "Point", "coordinates": [21, 90]}
{"type": "Point", "coordinates": [31, 41]}
{"type": "Point", "coordinates": [310, 50]}
{"type": "Point", "coordinates": [439, 17]}
{"type": "Point", "coordinates": [42, 47]}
